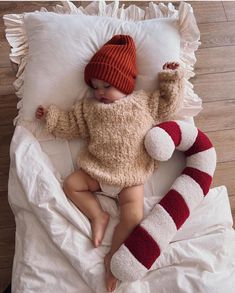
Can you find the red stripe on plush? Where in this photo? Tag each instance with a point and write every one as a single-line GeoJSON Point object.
{"type": "Point", "coordinates": [176, 207]}
{"type": "Point", "coordinates": [173, 129]}
{"type": "Point", "coordinates": [143, 246]}
{"type": "Point", "coordinates": [201, 143]}
{"type": "Point", "coordinates": [202, 178]}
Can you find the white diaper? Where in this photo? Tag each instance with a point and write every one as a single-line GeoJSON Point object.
{"type": "Point", "coordinates": [110, 190]}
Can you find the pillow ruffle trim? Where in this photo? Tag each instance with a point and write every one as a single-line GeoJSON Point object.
{"type": "Point", "coordinates": [16, 37]}
{"type": "Point", "coordinates": [190, 35]}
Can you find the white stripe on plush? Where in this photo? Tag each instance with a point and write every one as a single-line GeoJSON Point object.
{"type": "Point", "coordinates": [188, 135]}
{"type": "Point", "coordinates": [204, 161]}
{"type": "Point", "coordinates": [159, 144]}
{"type": "Point", "coordinates": [122, 264]}
{"type": "Point", "coordinates": [160, 226]}
{"type": "Point", "coordinates": [189, 189]}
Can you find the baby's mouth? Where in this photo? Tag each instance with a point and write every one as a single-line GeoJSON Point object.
{"type": "Point", "coordinates": [105, 101]}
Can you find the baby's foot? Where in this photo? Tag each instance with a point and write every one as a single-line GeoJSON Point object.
{"type": "Point", "coordinates": [110, 280]}
{"type": "Point", "coordinates": [98, 227]}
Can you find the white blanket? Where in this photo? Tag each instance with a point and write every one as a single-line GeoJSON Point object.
{"type": "Point", "coordinates": [53, 248]}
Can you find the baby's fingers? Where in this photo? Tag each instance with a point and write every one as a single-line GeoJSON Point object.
{"type": "Point", "coordinates": [165, 65]}
{"type": "Point", "coordinates": [171, 65]}
{"type": "Point", "coordinates": [40, 112]}
{"type": "Point", "coordinates": [39, 115]}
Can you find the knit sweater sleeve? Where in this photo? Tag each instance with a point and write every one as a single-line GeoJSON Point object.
{"type": "Point", "coordinates": [167, 100]}
{"type": "Point", "coordinates": [67, 124]}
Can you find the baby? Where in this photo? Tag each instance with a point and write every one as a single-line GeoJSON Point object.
{"type": "Point", "coordinates": [114, 122]}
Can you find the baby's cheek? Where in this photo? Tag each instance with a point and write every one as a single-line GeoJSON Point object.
{"type": "Point", "coordinates": [113, 96]}
{"type": "Point", "coordinates": [108, 92]}
{"type": "Point", "coordinates": [96, 94]}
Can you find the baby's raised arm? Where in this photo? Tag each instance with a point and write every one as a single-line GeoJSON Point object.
{"type": "Point", "coordinates": [167, 100]}
{"type": "Point", "coordinates": [64, 124]}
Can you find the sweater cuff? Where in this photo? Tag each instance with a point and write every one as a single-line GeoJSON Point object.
{"type": "Point", "coordinates": [52, 118]}
{"type": "Point", "coordinates": [170, 75]}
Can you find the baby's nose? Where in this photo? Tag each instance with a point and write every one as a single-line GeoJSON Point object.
{"type": "Point", "coordinates": [100, 91]}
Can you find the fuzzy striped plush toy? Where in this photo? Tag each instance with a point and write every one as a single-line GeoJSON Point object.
{"type": "Point", "coordinates": [144, 245]}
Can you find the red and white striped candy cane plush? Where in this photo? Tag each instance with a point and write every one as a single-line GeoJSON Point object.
{"type": "Point", "coordinates": [144, 245]}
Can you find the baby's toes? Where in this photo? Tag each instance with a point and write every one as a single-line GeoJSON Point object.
{"type": "Point", "coordinates": [111, 285]}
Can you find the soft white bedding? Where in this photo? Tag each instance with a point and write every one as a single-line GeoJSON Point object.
{"type": "Point", "coordinates": [53, 248]}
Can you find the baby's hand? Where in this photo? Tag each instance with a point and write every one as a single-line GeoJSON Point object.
{"type": "Point", "coordinates": [41, 112]}
{"type": "Point", "coordinates": [171, 65]}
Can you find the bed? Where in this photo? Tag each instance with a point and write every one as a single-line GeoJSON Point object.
{"type": "Point", "coordinates": [53, 248]}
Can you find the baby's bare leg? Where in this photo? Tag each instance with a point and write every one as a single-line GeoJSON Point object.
{"type": "Point", "coordinates": [79, 187]}
{"type": "Point", "coordinates": [131, 202]}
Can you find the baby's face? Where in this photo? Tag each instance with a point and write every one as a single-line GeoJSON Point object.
{"type": "Point", "coordinates": [106, 93]}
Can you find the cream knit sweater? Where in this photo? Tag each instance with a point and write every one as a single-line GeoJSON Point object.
{"type": "Point", "coordinates": [115, 132]}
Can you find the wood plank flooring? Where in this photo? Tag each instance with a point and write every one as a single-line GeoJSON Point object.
{"type": "Point", "coordinates": [214, 82]}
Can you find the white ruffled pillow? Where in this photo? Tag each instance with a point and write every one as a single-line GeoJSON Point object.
{"type": "Point", "coordinates": [52, 50]}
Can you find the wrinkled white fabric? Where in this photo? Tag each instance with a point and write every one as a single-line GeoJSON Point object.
{"type": "Point", "coordinates": [53, 248]}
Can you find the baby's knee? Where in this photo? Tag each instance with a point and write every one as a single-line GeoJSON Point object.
{"type": "Point", "coordinates": [137, 216]}
{"type": "Point", "coordinates": [73, 183]}
{"type": "Point", "coordinates": [132, 218]}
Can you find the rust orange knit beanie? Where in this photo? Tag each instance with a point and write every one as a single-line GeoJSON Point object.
{"type": "Point", "coordinates": [115, 63]}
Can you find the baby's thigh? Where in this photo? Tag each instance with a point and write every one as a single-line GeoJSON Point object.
{"type": "Point", "coordinates": [81, 181]}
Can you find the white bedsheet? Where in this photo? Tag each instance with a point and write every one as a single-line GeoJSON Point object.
{"type": "Point", "coordinates": [53, 248]}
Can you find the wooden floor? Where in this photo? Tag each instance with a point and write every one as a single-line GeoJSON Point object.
{"type": "Point", "coordinates": [214, 82]}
